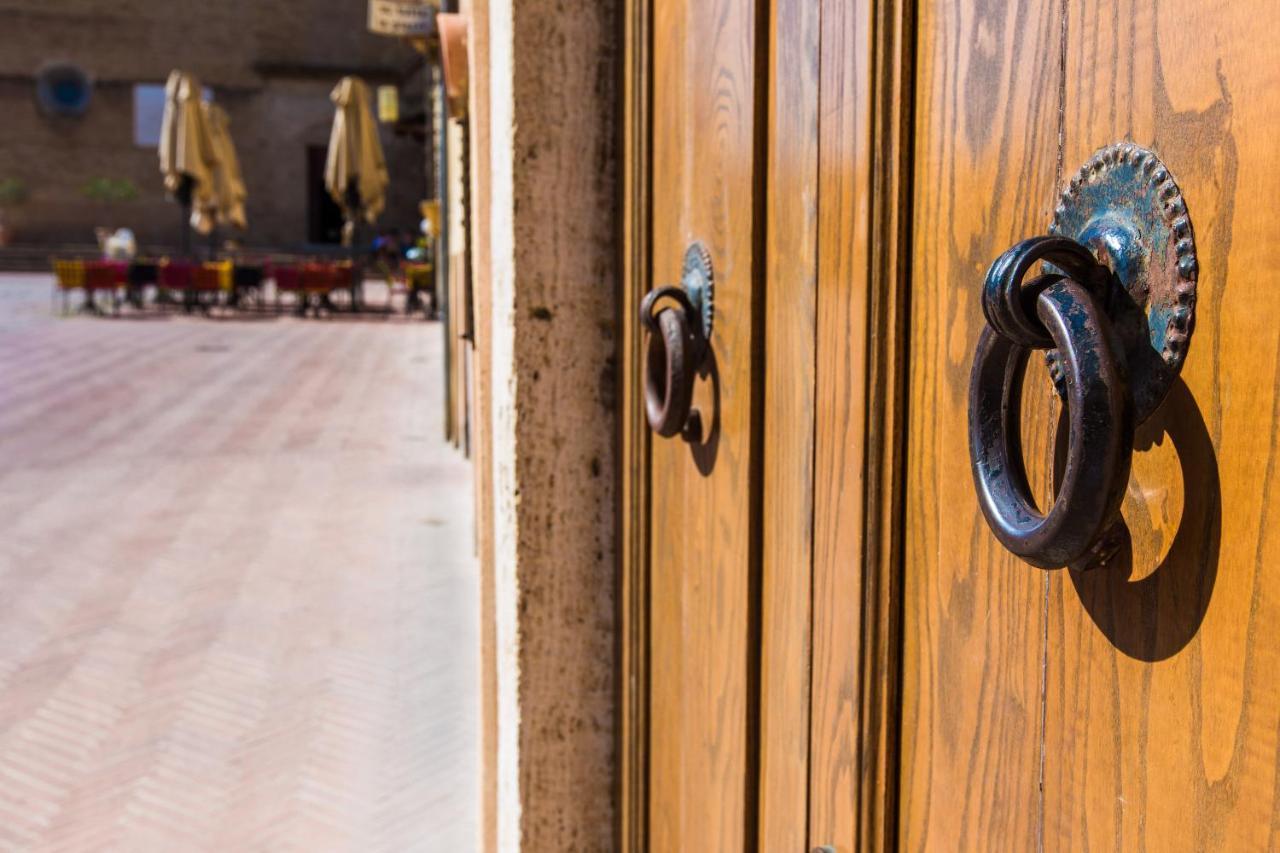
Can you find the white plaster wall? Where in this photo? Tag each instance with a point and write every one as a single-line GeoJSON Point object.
{"type": "Point", "coordinates": [505, 490]}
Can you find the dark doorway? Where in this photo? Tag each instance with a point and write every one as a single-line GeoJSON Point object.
{"type": "Point", "coordinates": [324, 217]}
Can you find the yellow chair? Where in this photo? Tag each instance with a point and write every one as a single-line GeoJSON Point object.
{"type": "Point", "coordinates": [226, 274]}
{"type": "Point", "coordinates": [212, 277]}
{"type": "Point", "coordinates": [421, 280]}
{"type": "Point", "coordinates": [68, 275]}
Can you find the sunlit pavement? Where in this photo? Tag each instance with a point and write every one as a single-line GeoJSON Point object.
{"type": "Point", "coordinates": [237, 599]}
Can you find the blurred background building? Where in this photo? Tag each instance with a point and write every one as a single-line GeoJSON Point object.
{"type": "Point", "coordinates": [82, 92]}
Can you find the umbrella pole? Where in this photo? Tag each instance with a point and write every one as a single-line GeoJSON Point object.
{"type": "Point", "coordinates": [357, 267]}
{"type": "Point", "coordinates": [357, 271]}
{"type": "Point", "coordinates": [183, 195]}
{"type": "Point", "coordinates": [185, 190]}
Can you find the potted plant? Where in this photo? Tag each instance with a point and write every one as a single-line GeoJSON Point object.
{"type": "Point", "coordinates": [110, 190]}
{"type": "Point", "coordinates": [12, 193]}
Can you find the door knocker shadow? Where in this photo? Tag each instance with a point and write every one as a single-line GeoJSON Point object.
{"type": "Point", "coordinates": [704, 435]}
{"type": "Point", "coordinates": [1154, 618]}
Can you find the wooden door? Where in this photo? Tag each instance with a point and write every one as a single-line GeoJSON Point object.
{"type": "Point", "coordinates": [1134, 707]}
{"type": "Point", "coordinates": [703, 527]}
{"type": "Point", "coordinates": [758, 696]}
{"type": "Point", "coordinates": [831, 647]}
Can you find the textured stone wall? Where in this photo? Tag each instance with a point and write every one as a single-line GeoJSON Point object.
{"type": "Point", "coordinates": [552, 271]}
{"type": "Point", "coordinates": [270, 63]}
{"type": "Point", "coordinates": [565, 198]}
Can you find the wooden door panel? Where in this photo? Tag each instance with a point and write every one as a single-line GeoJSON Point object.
{"type": "Point", "coordinates": [704, 533]}
{"type": "Point", "coordinates": [973, 616]}
{"type": "Point", "coordinates": [844, 285]}
{"type": "Point", "coordinates": [1163, 706]}
{"type": "Point", "coordinates": [788, 463]}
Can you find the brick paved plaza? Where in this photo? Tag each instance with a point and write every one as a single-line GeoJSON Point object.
{"type": "Point", "coordinates": [237, 601]}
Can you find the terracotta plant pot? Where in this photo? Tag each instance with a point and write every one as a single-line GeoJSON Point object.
{"type": "Point", "coordinates": [453, 59]}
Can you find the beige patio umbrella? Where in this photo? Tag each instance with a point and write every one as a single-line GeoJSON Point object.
{"type": "Point", "coordinates": [187, 157]}
{"type": "Point", "coordinates": [355, 172]}
{"type": "Point", "coordinates": [229, 193]}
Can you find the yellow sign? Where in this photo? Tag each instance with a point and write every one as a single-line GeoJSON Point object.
{"type": "Point", "coordinates": [388, 104]}
{"type": "Point", "coordinates": [430, 211]}
{"type": "Point", "coordinates": [402, 17]}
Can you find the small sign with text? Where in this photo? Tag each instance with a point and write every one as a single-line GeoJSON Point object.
{"type": "Point", "coordinates": [401, 18]}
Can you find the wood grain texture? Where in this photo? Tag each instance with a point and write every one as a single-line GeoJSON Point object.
{"type": "Point", "coordinates": [790, 341]}
{"type": "Point", "coordinates": [703, 530]}
{"type": "Point", "coordinates": [892, 88]}
{"type": "Point", "coordinates": [1163, 714]}
{"type": "Point", "coordinates": [844, 252]}
{"type": "Point", "coordinates": [633, 474]}
{"type": "Point", "coordinates": [973, 617]}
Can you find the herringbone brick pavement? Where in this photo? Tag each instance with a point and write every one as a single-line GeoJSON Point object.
{"type": "Point", "coordinates": [237, 600]}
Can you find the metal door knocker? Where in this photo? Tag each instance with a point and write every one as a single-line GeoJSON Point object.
{"type": "Point", "coordinates": [1114, 308]}
{"type": "Point", "coordinates": [679, 336]}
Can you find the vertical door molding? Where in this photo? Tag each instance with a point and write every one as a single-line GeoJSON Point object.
{"type": "Point", "coordinates": [790, 323]}
{"type": "Point", "coordinates": [892, 167]}
{"type": "Point", "coordinates": [865, 183]}
{"type": "Point", "coordinates": [633, 491]}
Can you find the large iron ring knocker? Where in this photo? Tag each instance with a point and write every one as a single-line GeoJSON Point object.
{"type": "Point", "coordinates": [1068, 315]}
{"type": "Point", "coordinates": [679, 337]}
{"type": "Point", "coordinates": [1115, 310]}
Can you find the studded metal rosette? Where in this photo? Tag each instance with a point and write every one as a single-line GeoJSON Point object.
{"type": "Point", "coordinates": [698, 280]}
{"type": "Point", "coordinates": [1126, 207]}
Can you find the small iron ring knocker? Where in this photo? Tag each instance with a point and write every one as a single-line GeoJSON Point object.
{"type": "Point", "coordinates": [675, 349]}
{"type": "Point", "coordinates": [1069, 317]}
{"type": "Point", "coordinates": [679, 342]}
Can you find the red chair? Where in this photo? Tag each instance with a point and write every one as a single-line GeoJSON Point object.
{"type": "Point", "coordinates": [211, 277]}
{"type": "Point", "coordinates": [174, 282]}
{"type": "Point", "coordinates": [175, 275]}
{"type": "Point", "coordinates": [107, 276]}
{"type": "Point", "coordinates": [287, 277]}
{"type": "Point", "coordinates": [317, 279]}
{"type": "Point", "coordinates": [342, 275]}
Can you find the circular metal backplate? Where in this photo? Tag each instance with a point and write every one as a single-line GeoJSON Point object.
{"type": "Point", "coordinates": [1125, 206]}
{"type": "Point", "coordinates": [698, 281]}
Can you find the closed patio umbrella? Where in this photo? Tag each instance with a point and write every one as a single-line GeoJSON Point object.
{"type": "Point", "coordinates": [355, 171]}
{"type": "Point", "coordinates": [187, 158]}
{"type": "Point", "coordinates": [228, 185]}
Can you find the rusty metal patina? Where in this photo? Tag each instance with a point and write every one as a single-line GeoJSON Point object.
{"type": "Point", "coordinates": [1114, 308]}
{"type": "Point", "coordinates": [1126, 207]}
{"type": "Point", "coordinates": [698, 280]}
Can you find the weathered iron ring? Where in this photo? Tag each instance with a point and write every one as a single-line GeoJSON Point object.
{"type": "Point", "coordinates": [1010, 308]}
{"type": "Point", "coordinates": [1100, 425]}
{"type": "Point", "coordinates": [676, 346]}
